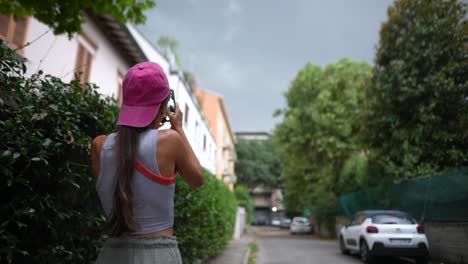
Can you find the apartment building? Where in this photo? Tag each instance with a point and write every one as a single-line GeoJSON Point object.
{"type": "Point", "coordinates": [215, 111]}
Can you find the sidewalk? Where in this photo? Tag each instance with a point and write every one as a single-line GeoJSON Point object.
{"type": "Point", "coordinates": [235, 253]}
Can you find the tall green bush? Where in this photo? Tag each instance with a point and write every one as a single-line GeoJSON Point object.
{"type": "Point", "coordinates": [49, 209]}
{"type": "Point", "coordinates": [204, 218]}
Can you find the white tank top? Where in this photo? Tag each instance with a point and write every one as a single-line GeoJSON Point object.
{"type": "Point", "coordinates": [153, 203]}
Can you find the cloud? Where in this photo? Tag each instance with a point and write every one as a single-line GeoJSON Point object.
{"type": "Point", "coordinates": [232, 9]}
{"type": "Point", "coordinates": [192, 2]}
{"type": "Point", "coordinates": [231, 12]}
{"type": "Point", "coordinates": [231, 32]}
{"type": "Point", "coordinates": [226, 72]}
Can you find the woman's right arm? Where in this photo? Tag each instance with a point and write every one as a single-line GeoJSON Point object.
{"type": "Point", "coordinates": [187, 163]}
{"type": "Point", "coordinates": [96, 147]}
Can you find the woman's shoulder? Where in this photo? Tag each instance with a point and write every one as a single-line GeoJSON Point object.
{"type": "Point", "coordinates": [169, 140]}
{"type": "Point", "coordinates": [169, 135]}
{"type": "Point", "coordinates": [99, 140]}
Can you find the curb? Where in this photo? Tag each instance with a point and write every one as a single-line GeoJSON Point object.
{"type": "Point", "coordinates": [246, 256]}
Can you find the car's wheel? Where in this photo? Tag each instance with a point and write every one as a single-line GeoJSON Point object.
{"type": "Point", "coordinates": [343, 249]}
{"type": "Point", "coordinates": [421, 260]}
{"type": "Point", "coordinates": [364, 252]}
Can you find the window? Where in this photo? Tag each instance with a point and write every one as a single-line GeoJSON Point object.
{"type": "Point", "coordinates": [204, 142]}
{"type": "Point", "coordinates": [356, 220]}
{"type": "Point", "coordinates": [84, 59]}
{"type": "Point", "coordinates": [392, 219]}
{"type": "Point", "coordinates": [120, 77]}
{"type": "Point", "coordinates": [13, 31]}
{"type": "Point", "coordinates": [186, 113]}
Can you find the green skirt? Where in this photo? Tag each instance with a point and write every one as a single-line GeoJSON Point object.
{"type": "Point", "coordinates": [140, 250]}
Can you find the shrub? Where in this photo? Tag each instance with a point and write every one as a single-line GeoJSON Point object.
{"type": "Point", "coordinates": [50, 211]}
{"type": "Point", "coordinates": [204, 218]}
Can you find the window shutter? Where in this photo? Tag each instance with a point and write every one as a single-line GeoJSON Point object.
{"type": "Point", "coordinates": [83, 63]}
{"type": "Point", "coordinates": [20, 33]}
{"type": "Point", "coordinates": [87, 67]}
{"type": "Point", "coordinates": [84, 58]}
{"type": "Point", "coordinates": [4, 24]}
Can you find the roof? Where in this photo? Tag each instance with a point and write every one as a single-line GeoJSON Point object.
{"type": "Point", "coordinates": [258, 133]}
{"type": "Point", "coordinates": [119, 35]}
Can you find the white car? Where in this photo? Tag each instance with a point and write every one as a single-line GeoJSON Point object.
{"type": "Point", "coordinates": [276, 222]}
{"type": "Point", "coordinates": [384, 233]}
{"type": "Point", "coordinates": [300, 225]}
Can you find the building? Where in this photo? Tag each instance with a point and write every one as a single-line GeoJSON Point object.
{"type": "Point", "coordinates": [102, 54]}
{"type": "Point", "coordinates": [215, 111]}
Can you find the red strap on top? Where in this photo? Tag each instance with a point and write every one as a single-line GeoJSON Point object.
{"type": "Point", "coordinates": [153, 176]}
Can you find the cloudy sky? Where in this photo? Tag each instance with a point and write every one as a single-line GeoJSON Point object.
{"type": "Point", "coordinates": [250, 50]}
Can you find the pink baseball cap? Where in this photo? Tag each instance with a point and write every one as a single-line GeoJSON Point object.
{"type": "Point", "coordinates": [145, 87]}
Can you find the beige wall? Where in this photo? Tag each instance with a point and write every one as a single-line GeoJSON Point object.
{"type": "Point", "coordinates": [214, 110]}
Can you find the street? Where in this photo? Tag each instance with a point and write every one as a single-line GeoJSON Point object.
{"type": "Point", "coordinates": [278, 246]}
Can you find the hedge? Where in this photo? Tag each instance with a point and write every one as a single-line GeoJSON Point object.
{"type": "Point", "coordinates": [49, 207]}
{"type": "Point", "coordinates": [204, 218]}
{"type": "Point", "coordinates": [50, 211]}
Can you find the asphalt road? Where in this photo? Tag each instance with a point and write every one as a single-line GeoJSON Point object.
{"type": "Point", "coordinates": [277, 246]}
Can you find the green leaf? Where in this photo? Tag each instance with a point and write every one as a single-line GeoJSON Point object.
{"type": "Point", "coordinates": [47, 142]}
{"type": "Point", "coordinates": [75, 184]}
{"type": "Point", "coordinates": [16, 155]}
{"type": "Point", "coordinates": [6, 153]}
{"type": "Point", "coordinates": [36, 159]}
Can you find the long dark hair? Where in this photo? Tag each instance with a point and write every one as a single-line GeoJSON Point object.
{"type": "Point", "coordinates": [122, 220]}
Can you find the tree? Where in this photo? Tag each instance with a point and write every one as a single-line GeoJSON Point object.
{"type": "Point", "coordinates": [258, 163]}
{"type": "Point", "coordinates": [67, 16]}
{"type": "Point", "coordinates": [416, 117]}
{"type": "Point", "coordinates": [244, 199]}
{"type": "Point", "coordinates": [319, 135]}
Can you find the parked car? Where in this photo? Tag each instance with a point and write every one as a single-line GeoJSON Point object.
{"type": "Point", "coordinates": [300, 225]}
{"type": "Point", "coordinates": [285, 223]}
{"type": "Point", "coordinates": [384, 233]}
{"type": "Point", "coordinates": [276, 221]}
{"type": "Point", "coordinates": [260, 221]}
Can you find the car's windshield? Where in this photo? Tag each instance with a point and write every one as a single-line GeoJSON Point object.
{"type": "Point", "coordinates": [392, 219]}
{"type": "Point", "coordinates": [301, 221]}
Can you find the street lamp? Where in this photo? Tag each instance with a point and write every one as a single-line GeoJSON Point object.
{"type": "Point", "coordinates": [274, 209]}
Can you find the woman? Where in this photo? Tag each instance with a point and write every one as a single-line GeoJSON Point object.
{"type": "Point", "coordinates": [136, 169]}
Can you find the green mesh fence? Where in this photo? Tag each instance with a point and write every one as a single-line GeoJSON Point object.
{"type": "Point", "coordinates": [440, 197]}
